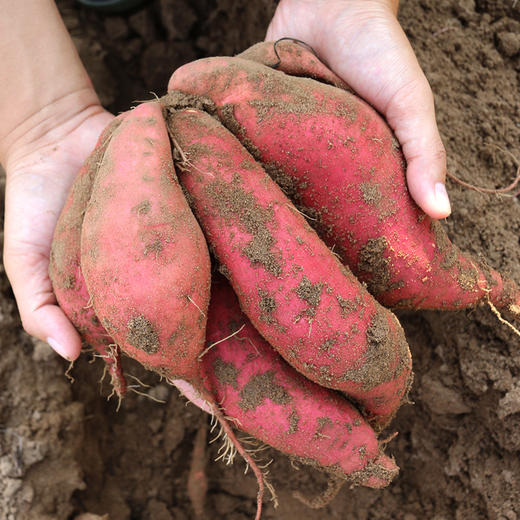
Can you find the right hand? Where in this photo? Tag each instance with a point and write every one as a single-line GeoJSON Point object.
{"type": "Point", "coordinates": [363, 43]}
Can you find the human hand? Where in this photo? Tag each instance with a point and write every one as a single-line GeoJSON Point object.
{"type": "Point", "coordinates": [362, 41]}
{"type": "Point", "coordinates": [41, 161]}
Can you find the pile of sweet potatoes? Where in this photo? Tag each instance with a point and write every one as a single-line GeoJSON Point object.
{"type": "Point", "coordinates": [297, 188]}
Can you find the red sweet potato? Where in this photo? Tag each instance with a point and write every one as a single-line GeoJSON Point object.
{"type": "Point", "coordinates": [343, 166]}
{"type": "Point", "coordinates": [65, 270]}
{"type": "Point", "coordinates": [274, 403]}
{"type": "Point", "coordinates": [145, 259]}
{"type": "Point", "coordinates": [297, 294]}
{"type": "Point", "coordinates": [293, 58]}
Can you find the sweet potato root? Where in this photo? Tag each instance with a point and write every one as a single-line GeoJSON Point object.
{"type": "Point", "coordinates": [143, 255]}
{"type": "Point", "coordinates": [293, 289]}
{"type": "Point", "coordinates": [340, 162]}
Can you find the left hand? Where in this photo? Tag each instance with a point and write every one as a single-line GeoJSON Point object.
{"type": "Point", "coordinates": [40, 169]}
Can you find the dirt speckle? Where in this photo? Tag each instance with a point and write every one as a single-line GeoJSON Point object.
{"type": "Point", "coordinates": [142, 335]}
{"type": "Point", "coordinates": [225, 372]}
{"type": "Point", "coordinates": [373, 261]}
{"type": "Point", "coordinates": [467, 279]}
{"type": "Point", "coordinates": [323, 422]}
{"type": "Point", "coordinates": [327, 345]}
{"type": "Point", "coordinates": [154, 248]}
{"type": "Point", "coordinates": [143, 208]}
{"type": "Point", "coordinates": [69, 282]}
{"type": "Point", "coordinates": [294, 420]}
{"type": "Point", "coordinates": [310, 292]}
{"type": "Point", "coordinates": [347, 306]}
{"type": "Point", "coordinates": [371, 193]}
{"type": "Point", "coordinates": [239, 207]}
{"type": "Point", "coordinates": [267, 306]}
{"type": "Point", "coordinates": [378, 363]}
{"type": "Point", "coordinates": [261, 387]}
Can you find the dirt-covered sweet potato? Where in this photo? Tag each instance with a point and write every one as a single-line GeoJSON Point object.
{"type": "Point", "coordinates": [145, 259]}
{"type": "Point", "coordinates": [297, 294]}
{"type": "Point", "coordinates": [277, 405]}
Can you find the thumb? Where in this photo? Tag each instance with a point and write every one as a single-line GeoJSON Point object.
{"type": "Point", "coordinates": [40, 314]}
{"type": "Point", "coordinates": [411, 115]}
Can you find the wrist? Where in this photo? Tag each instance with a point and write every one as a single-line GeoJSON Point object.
{"type": "Point", "coordinates": [48, 124]}
{"type": "Point", "coordinates": [41, 72]}
{"type": "Point", "coordinates": [306, 19]}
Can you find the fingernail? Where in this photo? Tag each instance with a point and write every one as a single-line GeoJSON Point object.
{"type": "Point", "coordinates": [58, 348]}
{"type": "Point", "coordinates": [441, 197]}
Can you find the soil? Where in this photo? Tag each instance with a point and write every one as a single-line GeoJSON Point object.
{"type": "Point", "coordinates": [66, 452]}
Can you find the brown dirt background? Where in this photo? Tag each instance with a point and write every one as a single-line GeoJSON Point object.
{"type": "Point", "coordinates": [66, 451]}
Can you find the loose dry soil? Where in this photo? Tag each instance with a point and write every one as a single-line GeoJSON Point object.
{"type": "Point", "coordinates": [66, 453]}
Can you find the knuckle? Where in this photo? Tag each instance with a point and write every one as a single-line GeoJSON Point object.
{"type": "Point", "coordinates": [416, 94]}
{"type": "Point", "coordinates": [439, 153]}
{"type": "Point", "coordinates": [27, 323]}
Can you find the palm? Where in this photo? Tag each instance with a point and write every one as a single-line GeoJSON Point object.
{"type": "Point", "coordinates": [37, 186]}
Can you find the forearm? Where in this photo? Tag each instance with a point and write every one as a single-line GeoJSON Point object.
{"type": "Point", "coordinates": [42, 75]}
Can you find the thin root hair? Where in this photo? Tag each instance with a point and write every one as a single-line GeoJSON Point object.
{"type": "Point", "coordinates": [68, 374]}
{"type": "Point", "coordinates": [132, 388]}
{"type": "Point", "coordinates": [496, 312]}
{"type": "Point", "coordinates": [204, 352]}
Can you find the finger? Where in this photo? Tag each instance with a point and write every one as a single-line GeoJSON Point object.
{"type": "Point", "coordinates": [29, 224]}
{"type": "Point", "coordinates": [50, 324]}
{"type": "Point", "coordinates": [411, 114]}
{"type": "Point", "coordinates": [41, 316]}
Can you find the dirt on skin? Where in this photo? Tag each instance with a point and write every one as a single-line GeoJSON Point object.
{"type": "Point", "coordinates": [261, 387]}
{"type": "Point", "coordinates": [67, 453]}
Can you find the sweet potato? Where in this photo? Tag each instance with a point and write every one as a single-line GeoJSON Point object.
{"type": "Point", "coordinates": [341, 163]}
{"type": "Point", "coordinates": [65, 270]}
{"type": "Point", "coordinates": [297, 294]}
{"type": "Point", "coordinates": [274, 403]}
{"type": "Point", "coordinates": [143, 255]}
{"type": "Point", "coordinates": [145, 259]}
{"type": "Point", "coordinates": [294, 58]}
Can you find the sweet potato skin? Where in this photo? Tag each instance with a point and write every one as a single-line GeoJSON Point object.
{"type": "Point", "coordinates": [293, 289]}
{"type": "Point", "coordinates": [342, 165]}
{"type": "Point", "coordinates": [144, 257]}
{"type": "Point", "coordinates": [294, 59]}
{"type": "Point", "coordinates": [65, 265]}
{"type": "Point", "coordinates": [280, 407]}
